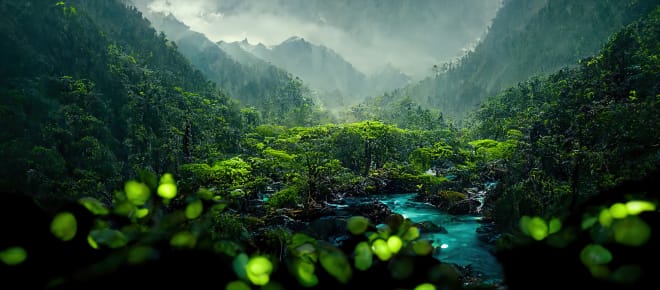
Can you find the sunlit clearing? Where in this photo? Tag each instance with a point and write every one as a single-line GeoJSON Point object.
{"type": "Point", "coordinates": [394, 243]}
{"type": "Point", "coordinates": [336, 264]}
{"type": "Point", "coordinates": [618, 210]}
{"type": "Point", "coordinates": [136, 192]}
{"type": "Point", "coordinates": [194, 209]}
{"type": "Point", "coordinates": [605, 218]}
{"type": "Point", "coordinates": [422, 248]}
{"type": "Point", "coordinates": [141, 254]}
{"type": "Point", "coordinates": [13, 256]}
{"type": "Point", "coordinates": [594, 254]}
{"type": "Point", "coordinates": [167, 191]}
{"type": "Point", "coordinates": [94, 205]}
{"type": "Point", "coordinates": [381, 250]}
{"type": "Point", "coordinates": [237, 285]}
{"type": "Point", "coordinates": [444, 246]}
{"type": "Point", "coordinates": [411, 234]}
{"type": "Point", "coordinates": [258, 270]}
{"type": "Point", "coordinates": [239, 264]}
{"type": "Point", "coordinates": [305, 274]}
{"type": "Point", "coordinates": [357, 225]}
{"type": "Point", "coordinates": [363, 256]}
{"type": "Point", "coordinates": [141, 212]}
{"type": "Point", "coordinates": [636, 207]}
{"type": "Point", "coordinates": [554, 226]}
{"type": "Point", "coordinates": [631, 231]}
{"type": "Point", "coordinates": [92, 243]}
{"type": "Point", "coordinates": [183, 240]}
{"type": "Point", "coordinates": [64, 226]}
{"type": "Point", "coordinates": [537, 228]}
{"type": "Point", "coordinates": [425, 286]}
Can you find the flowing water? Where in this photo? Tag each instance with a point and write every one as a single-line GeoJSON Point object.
{"type": "Point", "coordinates": [459, 245]}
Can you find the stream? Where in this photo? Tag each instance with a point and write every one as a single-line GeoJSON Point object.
{"type": "Point", "coordinates": [459, 245]}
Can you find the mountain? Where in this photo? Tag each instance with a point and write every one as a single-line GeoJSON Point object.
{"type": "Point", "coordinates": [526, 38]}
{"type": "Point", "coordinates": [246, 78]}
{"type": "Point", "coordinates": [337, 82]}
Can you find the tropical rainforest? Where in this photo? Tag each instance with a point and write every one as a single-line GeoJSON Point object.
{"type": "Point", "coordinates": [138, 152]}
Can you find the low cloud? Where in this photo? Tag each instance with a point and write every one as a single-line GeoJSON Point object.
{"type": "Point", "coordinates": [368, 46]}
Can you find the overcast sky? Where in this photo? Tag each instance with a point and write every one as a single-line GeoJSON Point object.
{"type": "Point", "coordinates": [412, 35]}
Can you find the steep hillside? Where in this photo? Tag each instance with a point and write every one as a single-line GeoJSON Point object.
{"type": "Point", "coordinates": [525, 39]}
{"type": "Point", "coordinates": [90, 93]}
{"type": "Point", "coordinates": [253, 83]}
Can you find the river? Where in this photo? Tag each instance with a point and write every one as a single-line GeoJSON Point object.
{"type": "Point", "coordinates": [459, 245]}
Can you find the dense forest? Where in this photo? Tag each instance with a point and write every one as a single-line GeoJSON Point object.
{"type": "Point", "coordinates": [134, 160]}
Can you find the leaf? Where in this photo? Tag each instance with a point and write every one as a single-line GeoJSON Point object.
{"type": "Point", "coordinates": [64, 226]}
{"type": "Point", "coordinates": [136, 192]}
{"type": "Point", "coordinates": [258, 270]}
{"type": "Point", "coordinates": [594, 254]}
{"type": "Point", "coordinates": [357, 225]}
{"type": "Point", "coordinates": [194, 209]}
{"type": "Point", "coordinates": [631, 231]}
{"type": "Point", "coordinates": [363, 256]}
{"type": "Point", "coordinates": [337, 265]}
{"type": "Point", "coordinates": [94, 206]}
{"type": "Point", "coordinates": [13, 256]}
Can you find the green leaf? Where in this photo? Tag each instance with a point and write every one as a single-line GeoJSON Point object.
{"type": "Point", "coordinates": [425, 286]}
{"type": "Point", "coordinates": [258, 270]}
{"type": "Point", "coordinates": [94, 206]}
{"type": "Point", "coordinates": [237, 285]}
{"type": "Point", "coordinates": [363, 256]}
{"type": "Point", "coordinates": [594, 254]}
{"type": "Point", "coordinates": [422, 248]}
{"type": "Point", "coordinates": [13, 256]}
{"type": "Point", "coordinates": [636, 207]}
{"type": "Point", "coordinates": [239, 264]}
{"type": "Point", "coordinates": [394, 243]}
{"type": "Point", "coordinates": [112, 238]}
{"type": "Point", "coordinates": [137, 193]}
{"type": "Point", "coordinates": [382, 251]}
{"type": "Point", "coordinates": [554, 226]}
{"type": "Point", "coordinates": [411, 234]}
{"type": "Point", "coordinates": [537, 228]}
{"type": "Point", "coordinates": [167, 191]}
{"type": "Point", "coordinates": [194, 209]}
{"type": "Point", "coordinates": [357, 225]}
{"type": "Point", "coordinates": [618, 210]}
{"type": "Point", "coordinates": [64, 226]}
{"type": "Point", "coordinates": [631, 231]}
{"type": "Point", "coordinates": [336, 263]}
{"type": "Point", "coordinates": [183, 240]}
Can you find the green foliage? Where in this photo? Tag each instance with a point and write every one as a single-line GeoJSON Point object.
{"type": "Point", "coordinates": [13, 256]}
{"type": "Point", "coordinates": [64, 226]}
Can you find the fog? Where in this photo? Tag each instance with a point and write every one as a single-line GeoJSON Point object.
{"type": "Point", "coordinates": [411, 35]}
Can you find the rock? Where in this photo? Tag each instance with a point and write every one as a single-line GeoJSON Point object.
{"type": "Point", "coordinates": [429, 227]}
{"type": "Point", "coordinates": [468, 206]}
{"type": "Point", "coordinates": [488, 233]}
{"type": "Point", "coordinates": [376, 211]}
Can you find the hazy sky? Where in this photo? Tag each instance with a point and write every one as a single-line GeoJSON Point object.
{"type": "Point", "coordinates": [412, 35]}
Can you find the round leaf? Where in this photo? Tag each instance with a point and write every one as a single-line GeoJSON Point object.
{"type": "Point", "coordinates": [13, 256]}
{"type": "Point", "coordinates": [357, 225]}
{"type": "Point", "coordinates": [64, 226]}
